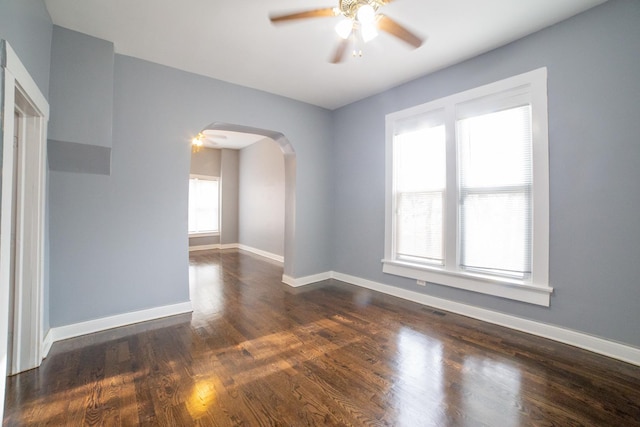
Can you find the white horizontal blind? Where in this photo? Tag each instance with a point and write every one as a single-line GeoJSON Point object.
{"type": "Point", "coordinates": [495, 180]}
{"type": "Point", "coordinates": [203, 206]}
{"type": "Point", "coordinates": [419, 169]}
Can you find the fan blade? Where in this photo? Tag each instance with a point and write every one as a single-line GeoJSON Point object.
{"type": "Point", "coordinates": [317, 13]}
{"type": "Point", "coordinates": [392, 27]}
{"type": "Point", "coordinates": [338, 56]}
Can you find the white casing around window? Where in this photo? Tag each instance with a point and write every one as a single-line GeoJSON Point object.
{"type": "Point", "coordinates": [529, 87]}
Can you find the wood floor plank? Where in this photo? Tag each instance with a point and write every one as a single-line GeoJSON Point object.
{"type": "Point", "coordinates": [257, 353]}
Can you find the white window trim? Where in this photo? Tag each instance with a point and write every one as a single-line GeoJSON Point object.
{"type": "Point", "coordinates": [536, 289]}
{"type": "Point", "coordinates": [209, 233]}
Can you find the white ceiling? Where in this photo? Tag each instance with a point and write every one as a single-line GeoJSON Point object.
{"type": "Point", "coordinates": [234, 41]}
{"type": "Point", "coordinates": [229, 139]}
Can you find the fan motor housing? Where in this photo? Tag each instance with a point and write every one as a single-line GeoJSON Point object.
{"type": "Point", "coordinates": [349, 8]}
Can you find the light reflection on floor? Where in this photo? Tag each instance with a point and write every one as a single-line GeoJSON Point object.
{"type": "Point", "coordinates": [489, 384]}
{"type": "Point", "coordinates": [206, 289]}
{"type": "Point", "coordinates": [420, 370]}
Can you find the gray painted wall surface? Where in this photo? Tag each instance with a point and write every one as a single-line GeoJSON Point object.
{"type": "Point", "coordinates": [119, 243]}
{"type": "Point", "coordinates": [81, 93]}
{"type": "Point", "coordinates": [229, 176]}
{"type": "Point", "coordinates": [27, 26]}
{"type": "Point", "coordinates": [203, 240]}
{"type": "Point", "coordinates": [206, 161]}
{"type": "Point", "coordinates": [593, 62]}
{"type": "Point", "coordinates": [67, 156]}
{"type": "Point", "coordinates": [262, 189]}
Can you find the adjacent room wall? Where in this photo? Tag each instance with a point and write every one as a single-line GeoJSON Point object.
{"type": "Point", "coordinates": [594, 99]}
{"type": "Point", "coordinates": [261, 203]}
{"type": "Point", "coordinates": [229, 176]}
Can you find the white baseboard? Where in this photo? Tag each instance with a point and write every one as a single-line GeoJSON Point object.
{"type": "Point", "coordinates": [307, 280]}
{"type": "Point", "coordinates": [260, 252]}
{"type": "Point", "coordinates": [602, 346]}
{"type": "Point", "coordinates": [255, 251]}
{"type": "Point", "coordinates": [47, 342]}
{"type": "Point", "coordinates": [97, 325]}
{"type": "Point", "coordinates": [204, 247]}
{"type": "Point", "coordinates": [229, 246]}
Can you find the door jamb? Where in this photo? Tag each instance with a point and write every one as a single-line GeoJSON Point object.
{"type": "Point", "coordinates": [16, 81]}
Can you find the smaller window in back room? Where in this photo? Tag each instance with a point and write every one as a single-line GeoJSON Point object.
{"type": "Point", "coordinates": [204, 205]}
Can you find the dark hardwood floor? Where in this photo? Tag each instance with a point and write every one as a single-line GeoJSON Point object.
{"type": "Point", "coordinates": [258, 353]}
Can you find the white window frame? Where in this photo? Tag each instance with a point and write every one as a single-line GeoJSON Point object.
{"type": "Point", "coordinates": [208, 178]}
{"type": "Point", "coordinates": [534, 289]}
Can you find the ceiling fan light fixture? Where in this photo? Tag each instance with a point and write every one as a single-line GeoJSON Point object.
{"type": "Point", "coordinates": [366, 14]}
{"type": "Point", "coordinates": [197, 143]}
{"type": "Point", "coordinates": [368, 32]}
{"type": "Point", "coordinates": [344, 28]}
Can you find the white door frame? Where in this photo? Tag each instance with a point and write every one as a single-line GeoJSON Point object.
{"type": "Point", "coordinates": [21, 94]}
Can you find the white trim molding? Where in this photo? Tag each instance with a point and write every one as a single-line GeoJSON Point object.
{"type": "Point", "coordinates": [260, 252]}
{"type": "Point", "coordinates": [505, 288]}
{"type": "Point", "coordinates": [229, 246]}
{"type": "Point", "coordinates": [255, 251]}
{"type": "Point", "coordinates": [615, 350]}
{"type": "Point", "coordinates": [19, 93]}
{"type": "Point", "coordinates": [98, 325]}
{"type": "Point", "coordinates": [446, 269]}
{"type": "Point", "coordinates": [307, 280]}
{"type": "Point", "coordinates": [203, 247]}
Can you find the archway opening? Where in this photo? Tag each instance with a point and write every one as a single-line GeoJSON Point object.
{"type": "Point", "coordinates": [289, 180]}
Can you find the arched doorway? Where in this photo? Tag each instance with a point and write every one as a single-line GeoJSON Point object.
{"type": "Point", "coordinates": [290, 183]}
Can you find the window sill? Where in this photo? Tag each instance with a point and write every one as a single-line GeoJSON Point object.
{"type": "Point", "coordinates": [504, 288]}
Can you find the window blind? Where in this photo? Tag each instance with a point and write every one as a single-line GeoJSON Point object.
{"type": "Point", "coordinates": [420, 162]}
{"type": "Point", "coordinates": [495, 179]}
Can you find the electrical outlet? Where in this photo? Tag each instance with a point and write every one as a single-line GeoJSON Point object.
{"type": "Point", "coordinates": [421, 283]}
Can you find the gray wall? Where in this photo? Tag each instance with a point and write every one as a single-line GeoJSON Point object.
{"type": "Point", "coordinates": [26, 25]}
{"type": "Point", "coordinates": [119, 243]}
{"type": "Point", "coordinates": [229, 176]}
{"type": "Point", "coordinates": [262, 190]}
{"type": "Point", "coordinates": [593, 62]}
{"type": "Point", "coordinates": [81, 88]}
{"type": "Point", "coordinates": [205, 161]}
{"type": "Point", "coordinates": [81, 98]}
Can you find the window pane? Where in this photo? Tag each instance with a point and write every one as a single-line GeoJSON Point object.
{"type": "Point", "coordinates": [420, 160]}
{"type": "Point", "coordinates": [203, 206]}
{"type": "Point", "coordinates": [496, 233]}
{"type": "Point", "coordinates": [495, 148]}
{"type": "Point", "coordinates": [419, 170]}
{"type": "Point", "coordinates": [495, 175]}
{"type": "Point", "coordinates": [419, 231]}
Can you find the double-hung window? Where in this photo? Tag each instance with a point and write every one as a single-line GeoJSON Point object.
{"type": "Point", "coordinates": [204, 205]}
{"type": "Point", "coordinates": [467, 190]}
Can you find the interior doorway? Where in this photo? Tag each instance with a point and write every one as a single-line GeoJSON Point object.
{"type": "Point", "coordinates": [25, 113]}
{"type": "Point", "coordinates": [290, 183]}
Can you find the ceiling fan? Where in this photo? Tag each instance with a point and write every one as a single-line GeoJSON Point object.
{"type": "Point", "coordinates": [207, 138]}
{"type": "Point", "coordinates": [362, 20]}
